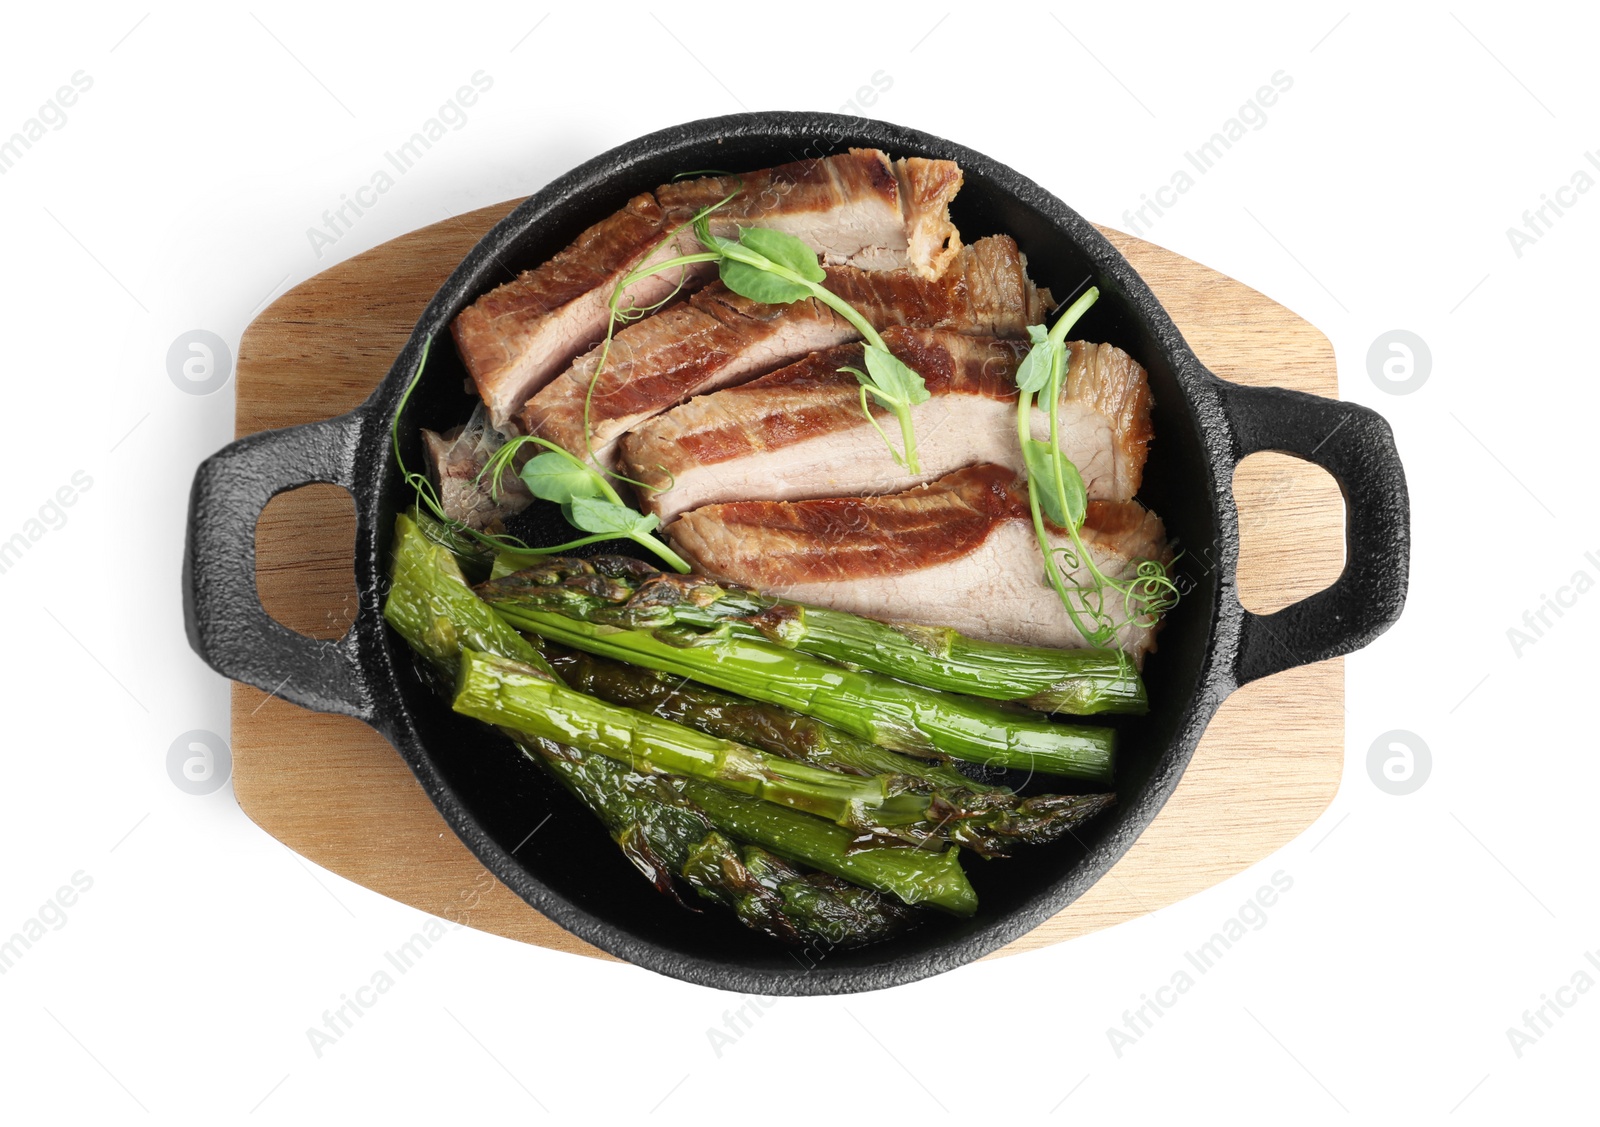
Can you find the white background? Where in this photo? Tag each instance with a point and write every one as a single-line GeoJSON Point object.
{"type": "Point", "coordinates": [1376, 196]}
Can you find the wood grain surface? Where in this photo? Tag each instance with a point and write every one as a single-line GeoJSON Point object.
{"type": "Point", "coordinates": [334, 791]}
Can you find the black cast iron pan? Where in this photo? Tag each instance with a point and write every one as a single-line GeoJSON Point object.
{"type": "Point", "coordinates": [569, 870]}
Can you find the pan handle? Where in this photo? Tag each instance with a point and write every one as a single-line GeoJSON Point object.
{"type": "Point", "coordinates": [1355, 445]}
{"type": "Point", "coordinates": [227, 625]}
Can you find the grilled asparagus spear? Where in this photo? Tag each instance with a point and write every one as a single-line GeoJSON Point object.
{"type": "Point", "coordinates": [512, 694]}
{"type": "Point", "coordinates": [986, 819]}
{"type": "Point", "coordinates": [619, 591]}
{"type": "Point", "coordinates": [432, 609]}
{"type": "Point", "coordinates": [765, 726]}
{"type": "Point", "coordinates": [879, 709]}
{"type": "Point", "coordinates": [665, 835]}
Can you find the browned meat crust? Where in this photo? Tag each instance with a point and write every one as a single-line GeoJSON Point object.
{"type": "Point", "coordinates": [718, 338]}
{"type": "Point", "coordinates": [856, 208]}
{"type": "Point", "coordinates": [771, 544]}
{"type": "Point", "coordinates": [958, 552]}
{"type": "Point", "coordinates": [799, 432]}
{"type": "Point", "coordinates": [514, 338]}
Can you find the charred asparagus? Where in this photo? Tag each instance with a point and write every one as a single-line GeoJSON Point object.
{"type": "Point", "coordinates": [871, 706]}
{"type": "Point", "coordinates": [665, 835]}
{"type": "Point", "coordinates": [987, 819]}
{"type": "Point", "coordinates": [513, 694]}
{"type": "Point", "coordinates": [619, 591]}
{"type": "Point", "coordinates": [433, 609]}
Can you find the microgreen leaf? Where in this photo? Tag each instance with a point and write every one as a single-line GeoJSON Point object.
{"type": "Point", "coordinates": [717, 242]}
{"type": "Point", "coordinates": [895, 377]}
{"type": "Point", "coordinates": [895, 386]}
{"type": "Point", "coordinates": [1064, 510]}
{"type": "Point", "coordinates": [783, 249]}
{"type": "Point", "coordinates": [1056, 493]}
{"type": "Point", "coordinates": [758, 285]}
{"type": "Point", "coordinates": [1075, 499]}
{"type": "Point", "coordinates": [556, 477]}
{"type": "Point", "coordinates": [866, 409]}
{"type": "Point", "coordinates": [776, 268]}
{"type": "Point", "coordinates": [608, 518]}
{"type": "Point", "coordinates": [1034, 371]}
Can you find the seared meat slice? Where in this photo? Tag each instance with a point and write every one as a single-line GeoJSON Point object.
{"type": "Point", "coordinates": [515, 337]}
{"type": "Point", "coordinates": [958, 552]}
{"type": "Point", "coordinates": [717, 338]}
{"type": "Point", "coordinates": [456, 458]}
{"type": "Point", "coordinates": [799, 432]}
{"type": "Point", "coordinates": [856, 209]}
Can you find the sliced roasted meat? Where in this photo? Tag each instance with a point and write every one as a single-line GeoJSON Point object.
{"type": "Point", "coordinates": [800, 432]}
{"type": "Point", "coordinates": [857, 209]}
{"type": "Point", "coordinates": [717, 339]}
{"type": "Point", "coordinates": [518, 335]}
{"type": "Point", "coordinates": [456, 458]}
{"type": "Point", "coordinates": [958, 552]}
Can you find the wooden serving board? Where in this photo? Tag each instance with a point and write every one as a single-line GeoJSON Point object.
{"type": "Point", "coordinates": [334, 791]}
